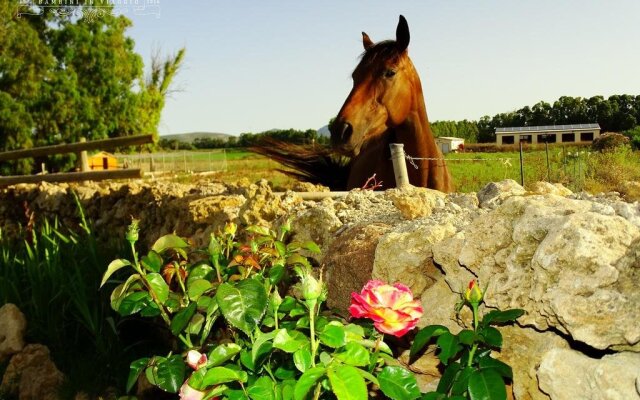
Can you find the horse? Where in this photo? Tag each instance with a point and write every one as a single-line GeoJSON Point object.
{"type": "Point", "coordinates": [386, 105]}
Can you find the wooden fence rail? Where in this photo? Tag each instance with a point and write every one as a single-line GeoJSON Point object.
{"type": "Point", "coordinates": [76, 147]}
{"type": "Point", "coordinates": [80, 147]}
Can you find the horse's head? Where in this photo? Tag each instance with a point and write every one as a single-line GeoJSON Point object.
{"type": "Point", "coordinates": [384, 87]}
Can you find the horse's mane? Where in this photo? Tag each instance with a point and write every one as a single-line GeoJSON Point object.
{"type": "Point", "coordinates": [315, 164]}
{"type": "Point", "coordinates": [381, 51]}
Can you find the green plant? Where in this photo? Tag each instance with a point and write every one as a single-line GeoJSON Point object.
{"type": "Point", "coordinates": [249, 322]}
{"type": "Point", "coordinates": [52, 276]}
{"type": "Point", "coordinates": [470, 372]}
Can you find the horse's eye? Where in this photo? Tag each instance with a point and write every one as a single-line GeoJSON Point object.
{"type": "Point", "coordinates": [389, 73]}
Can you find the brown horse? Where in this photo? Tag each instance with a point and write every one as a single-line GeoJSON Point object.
{"type": "Point", "coordinates": [386, 105]}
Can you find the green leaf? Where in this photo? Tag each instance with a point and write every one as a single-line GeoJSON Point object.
{"type": "Point", "coordinates": [135, 369]}
{"type": "Point", "coordinates": [448, 377]}
{"type": "Point", "coordinates": [347, 383]}
{"type": "Point", "coordinates": [462, 381]}
{"type": "Point", "coordinates": [290, 341]}
{"type": "Point", "coordinates": [448, 345]}
{"type": "Point", "coordinates": [354, 332]}
{"type": "Point", "coordinates": [218, 375]}
{"type": "Point", "coordinates": [276, 273]}
{"type": "Point", "coordinates": [200, 271]}
{"type": "Point", "coordinates": [260, 230]}
{"type": "Point", "coordinates": [262, 389]}
{"type": "Point", "coordinates": [302, 359]}
{"type": "Point", "coordinates": [312, 247]}
{"type": "Point", "coordinates": [297, 259]}
{"type": "Point", "coordinates": [501, 317]}
{"type": "Point", "coordinates": [134, 302]}
{"type": "Point", "coordinates": [284, 372]}
{"type": "Point", "coordinates": [502, 368]}
{"type": "Point", "coordinates": [423, 337]}
{"type": "Point", "coordinates": [113, 267]}
{"type": "Point", "coordinates": [195, 324]}
{"type": "Point", "coordinates": [398, 383]}
{"type": "Point", "coordinates": [152, 262]}
{"type": "Point", "coordinates": [222, 353]}
{"type": "Point", "coordinates": [434, 396]}
{"type": "Point", "coordinates": [487, 384]}
{"type": "Point", "coordinates": [159, 286]}
{"type": "Point", "coordinates": [307, 381]}
{"type": "Point", "coordinates": [262, 346]}
{"type": "Point", "coordinates": [287, 388]}
{"type": "Point", "coordinates": [333, 335]}
{"type": "Point", "coordinates": [280, 247]}
{"type": "Point", "coordinates": [491, 336]}
{"type": "Point", "coordinates": [354, 354]}
{"type": "Point", "coordinates": [122, 290]}
{"type": "Point", "coordinates": [170, 374]}
{"type": "Point", "coordinates": [242, 304]}
{"type": "Point", "coordinates": [182, 318]}
{"type": "Point", "coordinates": [467, 336]}
{"type": "Point", "coordinates": [170, 241]}
{"type": "Point", "coordinates": [197, 287]}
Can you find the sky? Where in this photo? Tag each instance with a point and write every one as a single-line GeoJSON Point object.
{"type": "Point", "coordinates": [251, 66]}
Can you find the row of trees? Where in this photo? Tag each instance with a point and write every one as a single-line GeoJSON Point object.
{"type": "Point", "coordinates": [64, 76]}
{"type": "Point", "coordinates": [618, 113]}
{"type": "Point", "coordinates": [310, 136]}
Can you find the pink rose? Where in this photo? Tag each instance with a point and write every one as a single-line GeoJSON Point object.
{"type": "Point", "coordinates": [189, 393]}
{"type": "Point", "coordinates": [195, 359]}
{"type": "Point", "coordinates": [392, 308]}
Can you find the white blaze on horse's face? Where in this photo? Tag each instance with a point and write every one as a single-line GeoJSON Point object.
{"type": "Point", "coordinates": [381, 97]}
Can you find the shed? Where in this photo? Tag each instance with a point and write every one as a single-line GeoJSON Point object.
{"type": "Point", "coordinates": [102, 161]}
{"type": "Point", "coordinates": [448, 144]}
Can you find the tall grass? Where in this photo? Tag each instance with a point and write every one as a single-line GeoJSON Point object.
{"type": "Point", "coordinates": [53, 276]}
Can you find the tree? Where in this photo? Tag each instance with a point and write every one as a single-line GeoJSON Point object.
{"type": "Point", "coordinates": [63, 77]}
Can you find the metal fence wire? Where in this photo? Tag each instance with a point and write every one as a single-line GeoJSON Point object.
{"type": "Point", "coordinates": [174, 162]}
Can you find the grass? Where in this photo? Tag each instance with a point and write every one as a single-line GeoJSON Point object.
{"type": "Point", "coordinates": [53, 276]}
{"type": "Point", "coordinates": [576, 167]}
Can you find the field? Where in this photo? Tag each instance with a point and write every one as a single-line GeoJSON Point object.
{"type": "Point", "coordinates": [575, 167]}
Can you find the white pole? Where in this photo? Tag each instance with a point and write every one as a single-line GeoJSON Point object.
{"type": "Point", "coordinates": [399, 165]}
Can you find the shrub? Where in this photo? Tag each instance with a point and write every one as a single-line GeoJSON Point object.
{"type": "Point", "coordinates": [609, 141]}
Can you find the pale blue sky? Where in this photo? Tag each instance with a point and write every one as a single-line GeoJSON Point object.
{"type": "Point", "coordinates": [256, 65]}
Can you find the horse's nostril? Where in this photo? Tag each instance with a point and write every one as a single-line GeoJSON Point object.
{"type": "Point", "coordinates": [347, 131]}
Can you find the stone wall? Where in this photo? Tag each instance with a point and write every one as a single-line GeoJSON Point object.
{"type": "Point", "coordinates": [571, 261]}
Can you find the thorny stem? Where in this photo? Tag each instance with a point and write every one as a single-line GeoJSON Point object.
{"type": "Point", "coordinates": [312, 327]}
{"type": "Point", "coordinates": [376, 351]}
{"type": "Point", "coordinates": [474, 307]}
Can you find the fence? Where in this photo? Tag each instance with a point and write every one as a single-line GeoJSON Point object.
{"type": "Point", "coordinates": [557, 163]}
{"type": "Point", "coordinates": [81, 147]}
{"type": "Point", "coordinates": [173, 162]}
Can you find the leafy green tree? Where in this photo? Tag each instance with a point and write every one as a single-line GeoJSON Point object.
{"type": "Point", "coordinates": [64, 76]}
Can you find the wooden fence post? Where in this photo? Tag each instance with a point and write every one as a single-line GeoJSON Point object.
{"type": "Point", "coordinates": [399, 165]}
{"type": "Point", "coordinates": [84, 158]}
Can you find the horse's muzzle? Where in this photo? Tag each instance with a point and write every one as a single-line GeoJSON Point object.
{"type": "Point", "coordinates": [340, 133]}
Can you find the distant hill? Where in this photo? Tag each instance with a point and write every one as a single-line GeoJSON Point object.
{"type": "Point", "coordinates": [191, 136]}
{"type": "Point", "coordinates": [324, 131]}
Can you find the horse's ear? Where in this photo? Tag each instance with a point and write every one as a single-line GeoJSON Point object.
{"type": "Point", "coordinates": [402, 34]}
{"type": "Point", "coordinates": [366, 41]}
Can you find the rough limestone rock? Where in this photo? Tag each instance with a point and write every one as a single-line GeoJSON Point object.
{"type": "Point", "coordinates": [523, 349]}
{"type": "Point", "coordinates": [571, 266]}
{"type": "Point", "coordinates": [414, 202]}
{"type": "Point", "coordinates": [12, 327]}
{"type": "Point", "coordinates": [494, 193]}
{"type": "Point", "coordinates": [31, 375]}
{"type": "Point", "coordinates": [350, 258]}
{"type": "Point", "coordinates": [557, 189]}
{"type": "Point", "coordinates": [318, 224]}
{"type": "Point", "coordinates": [567, 375]}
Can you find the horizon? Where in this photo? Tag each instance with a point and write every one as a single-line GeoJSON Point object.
{"type": "Point", "coordinates": [285, 65]}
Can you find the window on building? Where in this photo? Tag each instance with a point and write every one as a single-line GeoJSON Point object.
{"type": "Point", "coordinates": [525, 138]}
{"type": "Point", "coordinates": [586, 137]}
{"type": "Point", "coordinates": [548, 138]}
{"type": "Point", "coordinates": [507, 139]}
{"type": "Point", "coordinates": [568, 137]}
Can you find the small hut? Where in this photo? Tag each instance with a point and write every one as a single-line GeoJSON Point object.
{"type": "Point", "coordinates": [449, 144]}
{"type": "Point", "coordinates": [102, 161]}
